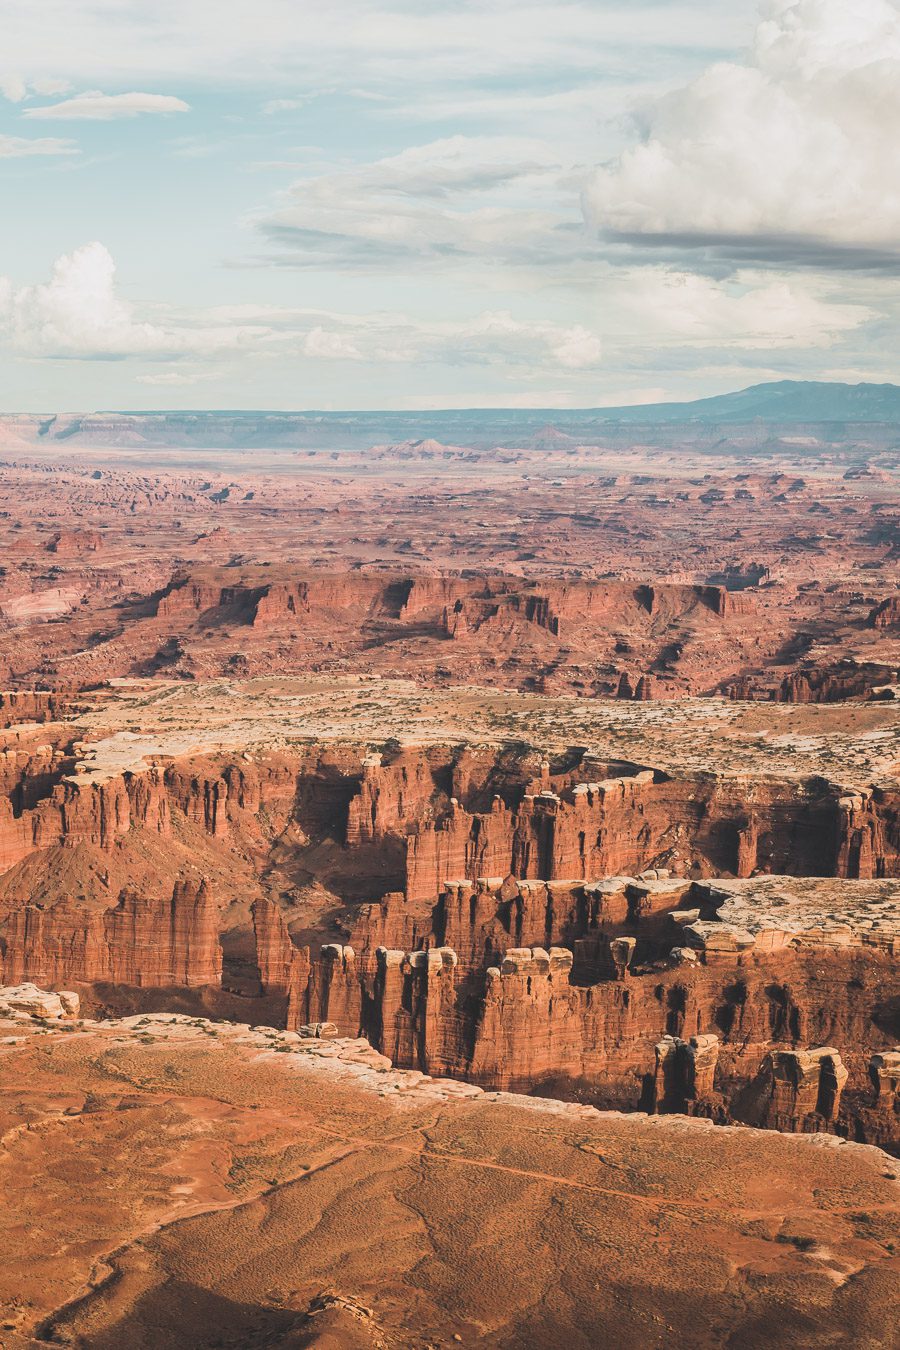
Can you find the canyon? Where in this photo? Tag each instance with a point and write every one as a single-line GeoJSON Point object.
{"type": "Point", "coordinates": [561, 925]}
{"type": "Point", "coordinates": [592, 570]}
{"type": "Point", "coordinates": [522, 795]}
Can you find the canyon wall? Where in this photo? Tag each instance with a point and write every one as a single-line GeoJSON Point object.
{"type": "Point", "coordinates": [140, 941]}
{"type": "Point", "coordinates": [453, 605]}
{"type": "Point", "coordinates": [595, 935]}
{"type": "Point", "coordinates": [411, 820]}
{"type": "Point", "coordinates": [599, 992]}
{"type": "Point", "coordinates": [576, 825]}
{"type": "Point", "coordinates": [608, 636]}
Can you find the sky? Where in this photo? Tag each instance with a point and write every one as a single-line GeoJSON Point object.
{"type": "Point", "coordinates": [499, 203]}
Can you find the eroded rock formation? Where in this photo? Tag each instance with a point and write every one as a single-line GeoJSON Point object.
{"type": "Point", "coordinates": [646, 1005]}
{"type": "Point", "coordinates": [544, 923]}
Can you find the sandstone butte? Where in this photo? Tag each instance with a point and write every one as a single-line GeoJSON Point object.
{"type": "Point", "coordinates": [360, 827]}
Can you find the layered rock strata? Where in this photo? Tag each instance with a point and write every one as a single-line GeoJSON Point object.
{"type": "Point", "coordinates": [590, 822]}
{"type": "Point", "coordinates": [590, 937]}
{"type": "Point", "coordinates": [142, 942]}
{"type": "Point", "coordinates": [643, 992]}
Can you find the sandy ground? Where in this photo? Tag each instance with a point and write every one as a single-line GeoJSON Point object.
{"type": "Point", "coordinates": [179, 1183]}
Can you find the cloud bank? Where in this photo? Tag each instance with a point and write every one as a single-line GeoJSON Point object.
{"type": "Point", "coordinates": [458, 198]}
{"type": "Point", "coordinates": [79, 315]}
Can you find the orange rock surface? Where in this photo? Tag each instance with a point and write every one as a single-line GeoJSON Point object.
{"type": "Point", "coordinates": [176, 1183]}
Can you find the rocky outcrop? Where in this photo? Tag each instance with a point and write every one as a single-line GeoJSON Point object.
{"type": "Point", "coordinates": [49, 807]}
{"type": "Point", "coordinates": [46, 801]}
{"type": "Point", "coordinates": [868, 833]}
{"type": "Point", "coordinates": [74, 543]}
{"type": "Point", "coordinates": [589, 992]}
{"type": "Point", "coordinates": [27, 1001]}
{"type": "Point", "coordinates": [886, 614]}
{"type": "Point", "coordinates": [391, 799]}
{"type": "Point", "coordinates": [34, 705]}
{"type": "Point", "coordinates": [876, 1114]}
{"type": "Point", "coordinates": [796, 1091]}
{"type": "Point", "coordinates": [747, 849]}
{"type": "Point", "coordinates": [685, 1074]}
{"type": "Point", "coordinates": [845, 680]}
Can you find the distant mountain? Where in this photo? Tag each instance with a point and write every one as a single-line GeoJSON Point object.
{"type": "Point", "coordinates": [752, 420]}
{"type": "Point", "coordinates": [779, 401]}
{"type": "Point", "coordinates": [782, 401]}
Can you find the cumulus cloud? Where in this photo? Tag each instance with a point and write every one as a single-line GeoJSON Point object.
{"type": "Point", "coordinates": [793, 153]}
{"type": "Point", "coordinates": [76, 313]}
{"type": "Point", "coordinates": [79, 314]}
{"type": "Point", "coordinates": [19, 147]}
{"type": "Point", "coordinates": [98, 107]}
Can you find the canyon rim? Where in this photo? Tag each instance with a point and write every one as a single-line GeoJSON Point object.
{"type": "Point", "coordinates": [450, 677]}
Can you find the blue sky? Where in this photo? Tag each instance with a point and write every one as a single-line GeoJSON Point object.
{"type": "Point", "coordinates": [214, 203]}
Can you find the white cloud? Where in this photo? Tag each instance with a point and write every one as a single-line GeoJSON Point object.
{"type": "Point", "coordinates": [78, 314]}
{"type": "Point", "coordinates": [496, 336]}
{"type": "Point", "coordinates": [577, 348]}
{"type": "Point", "coordinates": [280, 105]}
{"type": "Point", "coordinates": [13, 87]}
{"type": "Point", "coordinates": [319, 343]}
{"type": "Point", "coordinates": [652, 320]}
{"type": "Point", "coordinates": [98, 107]}
{"type": "Point", "coordinates": [492, 337]}
{"type": "Point", "coordinates": [794, 151]}
{"type": "Point", "coordinates": [753, 311]}
{"type": "Point", "coordinates": [49, 87]}
{"type": "Point", "coordinates": [175, 378]}
{"type": "Point", "coordinates": [19, 147]}
{"type": "Point", "coordinates": [370, 44]}
{"type": "Point", "coordinates": [456, 198]}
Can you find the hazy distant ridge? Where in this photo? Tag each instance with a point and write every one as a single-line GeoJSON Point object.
{"type": "Point", "coordinates": [760, 410]}
{"type": "Point", "coordinates": [783, 401]}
